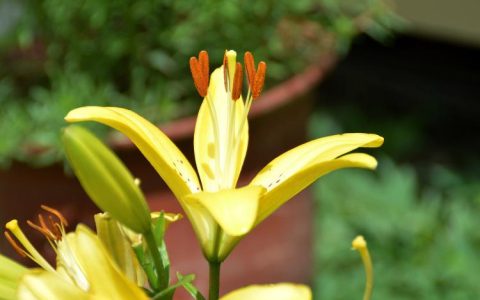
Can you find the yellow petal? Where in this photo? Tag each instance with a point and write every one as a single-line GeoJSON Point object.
{"type": "Point", "coordinates": [43, 285]}
{"type": "Point", "coordinates": [279, 291]}
{"type": "Point", "coordinates": [218, 165]}
{"type": "Point", "coordinates": [235, 210]}
{"type": "Point", "coordinates": [160, 151]}
{"type": "Point", "coordinates": [279, 194]}
{"type": "Point", "coordinates": [10, 274]}
{"type": "Point", "coordinates": [104, 280]}
{"type": "Point", "coordinates": [323, 149]}
{"type": "Point", "coordinates": [284, 190]}
{"type": "Point", "coordinates": [119, 247]}
{"type": "Point", "coordinates": [10, 270]}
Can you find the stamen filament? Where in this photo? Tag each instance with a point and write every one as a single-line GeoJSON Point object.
{"type": "Point", "coordinates": [246, 110]}
{"type": "Point", "coordinates": [30, 249]}
{"type": "Point", "coordinates": [231, 150]}
{"type": "Point", "coordinates": [360, 245]}
{"type": "Point", "coordinates": [54, 228]}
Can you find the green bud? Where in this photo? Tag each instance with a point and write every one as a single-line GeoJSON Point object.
{"type": "Point", "coordinates": [105, 179]}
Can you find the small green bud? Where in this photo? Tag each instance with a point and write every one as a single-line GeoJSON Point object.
{"type": "Point", "coordinates": [105, 179]}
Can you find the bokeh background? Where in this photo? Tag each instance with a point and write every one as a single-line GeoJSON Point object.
{"type": "Point", "coordinates": [407, 70]}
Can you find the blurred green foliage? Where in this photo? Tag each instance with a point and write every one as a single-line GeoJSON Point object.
{"type": "Point", "coordinates": [421, 225]}
{"type": "Point", "coordinates": [57, 55]}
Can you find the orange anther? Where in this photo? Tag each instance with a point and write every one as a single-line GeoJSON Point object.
{"type": "Point", "coordinates": [42, 222]}
{"type": "Point", "coordinates": [45, 231]}
{"type": "Point", "coordinates": [197, 75]}
{"type": "Point", "coordinates": [14, 244]}
{"type": "Point", "coordinates": [249, 67]}
{"type": "Point", "coordinates": [259, 79]}
{"type": "Point", "coordinates": [225, 71]}
{"type": "Point", "coordinates": [56, 213]}
{"type": "Point", "coordinates": [204, 66]}
{"type": "Point", "coordinates": [237, 82]}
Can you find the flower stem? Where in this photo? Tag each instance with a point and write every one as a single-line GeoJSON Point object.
{"type": "Point", "coordinates": [214, 280]}
{"type": "Point", "coordinates": [162, 281]}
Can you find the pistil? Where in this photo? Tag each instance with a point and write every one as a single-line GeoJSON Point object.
{"type": "Point", "coordinates": [30, 250]}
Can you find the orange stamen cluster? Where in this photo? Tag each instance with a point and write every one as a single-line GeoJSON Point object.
{"type": "Point", "coordinates": [255, 75]}
{"type": "Point", "coordinates": [200, 72]}
{"type": "Point", "coordinates": [51, 226]}
{"type": "Point", "coordinates": [53, 229]}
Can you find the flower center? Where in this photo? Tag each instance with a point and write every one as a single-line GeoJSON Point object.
{"type": "Point", "coordinates": [228, 118]}
{"type": "Point", "coordinates": [52, 226]}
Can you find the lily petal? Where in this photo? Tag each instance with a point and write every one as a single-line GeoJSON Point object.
{"type": "Point", "coordinates": [323, 149]}
{"type": "Point", "coordinates": [160, 151]}
{"type": "Point", "coordinates": [274, 198]}
{"type": "Point", "coordinates": [235, 210]}
{"type": "Point", "coordinates": [279, 291]}
{"type": "Point", "coordinates": [43, 285]}
{"type": "Point", "coordinates": [10, 274]}
{"type": "Point", "coordinates": [104, 279]}
{"type": "Point", "coordinates": [10, 271]}
{"type": "Point", "coordinates": [277, 195]}
{"type": "Point", "coordinates": [215, 163]}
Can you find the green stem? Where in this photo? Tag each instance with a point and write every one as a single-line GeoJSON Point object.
{"type": "Point", "coordinates": [214, 280]}
{"type": "Point", "coordinates": [162, 281]}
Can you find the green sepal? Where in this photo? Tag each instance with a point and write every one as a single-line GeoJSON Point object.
{"type": "Point", "coordinates": [159, 226]}
{"type": "Point", "coordinates": [146, 262]}
{"type": "Point", "coordinates": [190, 288]}
{"type": "Point", "coordinates": [167, 293]}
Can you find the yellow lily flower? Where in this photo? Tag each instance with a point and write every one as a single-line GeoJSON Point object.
{"type": "Point", "coordinates": [84, 268]}
{"type": "Point", "coordinates": [220, 212]}
{"type": "Point", "coordinates": [279, 291]}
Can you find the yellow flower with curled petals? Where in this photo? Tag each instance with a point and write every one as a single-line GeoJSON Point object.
{"type": "Point", "coordinates": [222, 213]}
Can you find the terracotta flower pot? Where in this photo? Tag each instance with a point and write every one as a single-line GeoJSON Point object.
{"type": "Point", "coordinates": [278, 250]}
